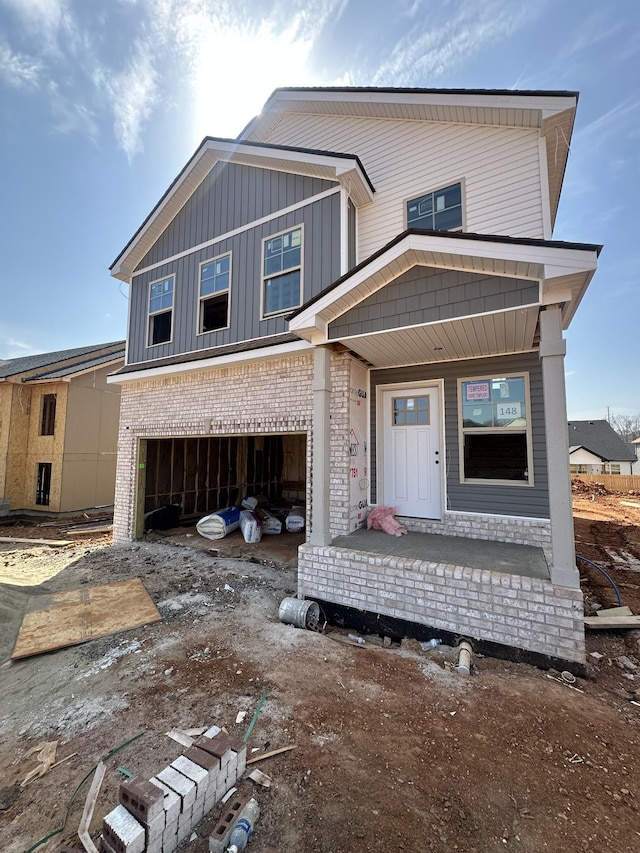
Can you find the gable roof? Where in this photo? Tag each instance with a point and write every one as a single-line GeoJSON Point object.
{"type": "Point", "coordinates": [70, 360]}
{"type": "Point", "coordinates": [565, 268]}
{"type": "Point", "coordinates": [337, 166]}
{"type": "Point", "coordinates": [600, 438]}
{"type": "Point", "coordinates": [552, 112]}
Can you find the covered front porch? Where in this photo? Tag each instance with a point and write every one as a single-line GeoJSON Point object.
{"type": "Point", "coordinates": [509, 558]}
{"type": "Point", "coordinates": [496, 592]}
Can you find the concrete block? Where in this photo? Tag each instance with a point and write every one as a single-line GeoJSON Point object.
{"type": "Point", "coordinates": [186, 788]}
{"type": "Point", "coordinates": [198, 810]}
{"type": "Point", "coordinates": [212, 732]}
{"type": "Point", "coordinates": [141, 799]}
{"type": "Point", "coordinates": [219, 744]}
{"type": "Point", "coordinates": [185, 824]}
{"type": "Point", "coordinates": [242, 762]}
{"type": "Point", "coordinates": [104, 846]}
{"type": "Point", "coordinates": [211, 763]}
{"type": "Point", "coordinates": [192, 771]}
{"type": "Point", "coordinates": [154, 844]}
{"type": "Point", "coordinates": [123, 832]}
{"type": "Point", "coordinates": [171, 802]}
{"type": "Point", "coordinates": [228, 819]}
{"type": "Point", "coordinates": [170, 837]}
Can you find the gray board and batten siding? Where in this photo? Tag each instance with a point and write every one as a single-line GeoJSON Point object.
{"type": "Point", "coordinates": [424, 295]}
{"type": "Point", "coordinates": [265, 196]}
{"type": "Point", "coordinates": [499, 499]}
{"type": "Point", "coordinates": [229, 197]}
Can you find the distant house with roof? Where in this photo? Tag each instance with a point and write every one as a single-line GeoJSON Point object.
{"type": "Point", "coordinates": [596, 448]}
{"type": "Point", "coordinates": [635, 449]}
{"type": "Point", "coordinates": [59, 429]}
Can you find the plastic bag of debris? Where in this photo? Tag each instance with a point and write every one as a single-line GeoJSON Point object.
{"type": "Point", "coordinates": [219, 523]}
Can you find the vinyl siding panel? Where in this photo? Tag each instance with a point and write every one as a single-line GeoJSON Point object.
{"type": "Point", "coordinates": [352, 235]}
{"type": "Point", "coordinates": [498, 166]}
{"type": "Point", "coordinates": [422, 295]}
{"type": "Point", "coordinates": [229, 197]}
{"type": "Point", "coordinates": [521, 501]}
{"type": "Point", "coordinates": [321, 265]}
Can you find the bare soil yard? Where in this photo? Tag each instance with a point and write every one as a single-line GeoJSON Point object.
{"type": "Point", "coordinates": [394, 749]}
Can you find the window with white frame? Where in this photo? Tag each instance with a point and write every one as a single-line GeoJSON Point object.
{"type": "Point", "coordinates": [495, 429]}
{"type": "Point", "coordinates": [437, 211]}
{"type": "Point", "coordinates": [215, 278]}
{"type": "Point", "coordinates": [282, 272]}
{"type": "Point", "coordinates": [160, 311]}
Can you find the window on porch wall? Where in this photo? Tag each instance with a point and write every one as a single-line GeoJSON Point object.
{"type": "Point", "coordinates": [495, 430]}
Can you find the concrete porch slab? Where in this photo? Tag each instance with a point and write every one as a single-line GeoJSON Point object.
{"type": "Point", "coordinates": [506, 557]}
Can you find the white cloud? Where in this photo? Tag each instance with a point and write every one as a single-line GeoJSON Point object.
{"type": "Point", "coordinates": [19, 70]}
{"type": "Point", "coordinates": [39, 14]}
{"type": "Point", "coordinates": [10, 347]}
{"type": "Point", "coordinates": [614, 123]}
{"type": "Point", "coordinates": [433, 47]}
{"type": "Point", "coordinates": [133, 94]}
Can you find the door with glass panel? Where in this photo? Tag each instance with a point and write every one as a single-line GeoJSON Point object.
{"type": "Point", "coordinates": [411, 451]}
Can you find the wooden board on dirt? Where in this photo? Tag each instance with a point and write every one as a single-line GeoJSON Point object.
{"type": "Point", "coordinates": [68, 618]}
{"type": "Point", "coordinates": [612, 622]}
{"type": "Point", "coordinates": [614, 611]}
{"type": "Point", "coordinates": [89, 531]}
{"type": "Point", "coordinates": [24, 541]}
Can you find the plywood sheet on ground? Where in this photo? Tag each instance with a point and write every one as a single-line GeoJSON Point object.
{"type": "Point", "coordinates": [67, 618]}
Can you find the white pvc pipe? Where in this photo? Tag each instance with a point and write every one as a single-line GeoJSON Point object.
{"type": "Point", "coordinates": [464, 658]}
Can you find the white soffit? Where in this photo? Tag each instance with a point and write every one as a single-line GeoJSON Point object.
{"type": "Point", "coordinates": [498, 333]}
{"type": "Point", "coordinates": [487, 108]}
{"type": "Point", "coordinates": [344, 169]}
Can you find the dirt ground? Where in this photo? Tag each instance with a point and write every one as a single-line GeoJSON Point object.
{"type": "Point", "coordinates": [394, 750]}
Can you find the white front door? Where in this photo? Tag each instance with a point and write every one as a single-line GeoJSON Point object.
{"type": "Point", "coordinates": [412, 454]}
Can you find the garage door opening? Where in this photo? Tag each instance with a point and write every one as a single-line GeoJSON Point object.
{"type": "Point", "coordinates": [201, 475]}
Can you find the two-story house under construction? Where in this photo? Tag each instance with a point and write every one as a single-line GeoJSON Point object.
{"type": "Point", "coordinates": [360, 297]}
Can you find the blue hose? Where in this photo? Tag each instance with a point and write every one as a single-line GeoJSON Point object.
{"type": "Point", "coordinates": [608, 577]}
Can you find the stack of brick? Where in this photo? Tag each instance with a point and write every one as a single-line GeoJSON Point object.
{"type": "Point", "coordinates": [155, 816]}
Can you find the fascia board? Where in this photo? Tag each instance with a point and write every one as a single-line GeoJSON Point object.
{"type": "Point", "coordinates": [545, 105]}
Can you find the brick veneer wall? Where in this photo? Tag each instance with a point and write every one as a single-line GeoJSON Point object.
{"type": "Point", "coordinates": [525, 613]}
{"type": "Point", "coordinates": [497, 528]}
{"type": "Point", "coordinates": [269, 396]}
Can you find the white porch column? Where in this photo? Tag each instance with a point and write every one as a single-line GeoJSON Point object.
{"type": "Point", "coordinates": [320, 494]}
{"type": "Point", "coordinates": [552, 351]}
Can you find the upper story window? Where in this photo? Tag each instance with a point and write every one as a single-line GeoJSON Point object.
{"type": "Point", "coordinates": [437, 211]}
{"type": "Point", "coordinates": [282, 272]}
{"type": "Point", "coordinates": [215, 277]}
{"type": "Point", "coordinates": [160, 311]}
{"type": "Point", "coordinates": [48, 419]}
{"type": "Point", "coordinates": [495, 430]}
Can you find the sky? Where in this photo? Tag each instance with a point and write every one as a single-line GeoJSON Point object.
{"type": "Point", "coordinates": [102, 102]}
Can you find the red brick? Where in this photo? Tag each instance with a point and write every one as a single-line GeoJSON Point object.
{"type": "Point", "coordinates": [203, 759]}
{"type": "Point", "coordinates": [141, 798]}
{"type": "Point", "coordinates": [219, 744]}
